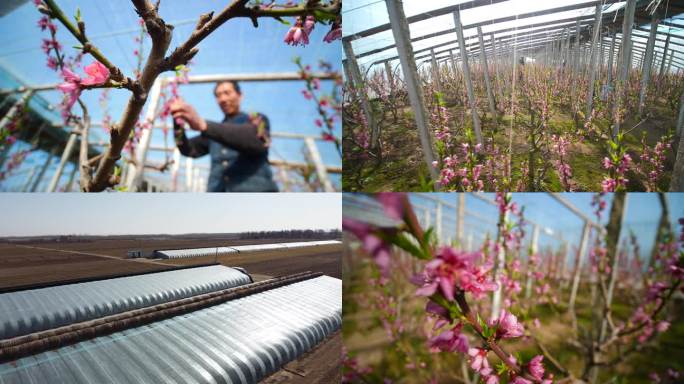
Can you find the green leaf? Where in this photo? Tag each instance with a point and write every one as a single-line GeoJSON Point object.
{"type": "Point", "coordinates": [282, 21]}
{"type": "Point", "coordinates": [322, 16]}
{"type": "Point", "coordinates": [78, 14]}
{"type": "Point", "coordinates": [403, 242]}
{"type": "Point", "coordinates": [501, 368]}
{"type": "Point", "coordinates": [613, 145]}
{"type": "Point", "coordinates": [481, 322]}
{"type": "Point", "coordinates": [428, 239]}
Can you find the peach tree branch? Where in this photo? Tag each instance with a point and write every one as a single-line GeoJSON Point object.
{"type": "Point", "coordinates": [156, 63]}
{"type": "Point", "coordinates": [78, 31]}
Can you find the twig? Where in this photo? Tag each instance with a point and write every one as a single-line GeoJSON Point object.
{"type": "Point", "coordinates": [115, 73]}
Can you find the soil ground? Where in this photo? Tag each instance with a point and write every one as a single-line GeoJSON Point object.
{"type": "Point", "coordinates": [38, 262]}
{"type": "Point", "coordinates": [402, 167]}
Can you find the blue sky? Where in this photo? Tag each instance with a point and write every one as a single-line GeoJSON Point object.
{"type": "Point", "coordinates": [642, 215]}
{"type": "Point", "coordinates": [115, 213]}
{"type": "Point", "coordinates": [236, 47]}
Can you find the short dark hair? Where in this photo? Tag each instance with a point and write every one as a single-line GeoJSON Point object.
{"type": "Point", "coordinates": [236, 86]}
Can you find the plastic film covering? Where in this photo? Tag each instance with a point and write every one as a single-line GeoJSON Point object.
{"type": "Point", "coordinates": [34, 310]}
{"type": "Point", "coordinates": [240, 341]}
{"type": "Point", "coordinates": [195, 252]}
{"type": "Point", "coordinates": [302, 244]}
{"type": "Point", "coordinates": [199, 252]}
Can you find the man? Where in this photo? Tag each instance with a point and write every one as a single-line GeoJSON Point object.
{"type": "Point", "coordinates": [238, 146]}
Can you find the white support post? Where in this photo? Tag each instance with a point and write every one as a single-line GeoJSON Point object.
{"type": "Point", "coordinates": [453, 62]}
{"type": "Point", "coordinates": [195, 179]}
{"type": "Point", "coordinates": [135, 175]}
{"type": "Point", "coordinates": [315, 158]}
{"type": "Point", "coordinates": [592, 63]}
{"type": "Point", "coordinates": [662, 61]}
{"type": "Point", "coordinates": [70, 182]}
{"type": "Point", "coordinates": [14, 109]}
{"type": "Point", "coordinates": [390, 78]}
{"type": "Point", "coordinates": [68, 149]}
{"type": "Point", "coordinates": [31, 173]}
{"type": "Point", "coordinates": [490, 94]}
{"type": "Point", "coordinates": [360, 91]}
{"type": "Point", "coordinates": [578, 265]}
{"type": "Point", "coordinates": [611, 58]}
{"type": "Point", "coordinates": [576, 60]}
{"type": "Point", "coordinates": [461, 217]}
{"type": "Point", "coordinates": [188, 174]}
{"type": "Point", "coordinates": [648, 60]}
{"type": "Point", "coordinates": [499, 265]}
{"type": "Point", "coordinates": [435, 71]}
{"type": "Point", "coordinates": [677, 183]}
{"type": "Point", "coordinates": [400, 30]}
{"type": "Point", "coordinates": [438, 222]}
{"type": "Point", "coordinates": [466, 73]}
{"type": "Point", "coordinates": [534, 248]}
{"type": "Point", "coordinates": [680, 119]}
{"type": "Point", "coordinates": [175, 167]}
{"type": "Point", "coordinates": [43, 169]}
{"type": "Point", "coordinates": [625, 57]}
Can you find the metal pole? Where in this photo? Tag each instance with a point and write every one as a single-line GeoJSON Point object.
{"type": "Point", "coordinates": [648, 60]}
{"type": "Point", "coordinates": [438, 222]}
{"type": "Point", "coordinates": [466, 74]}
{"type": "Point", "coordinates": [490, 95]}
{"type": "Point", "coordinates": [578, 265]}
{"type": "Point", "coordinates": [677, 183]}
{"type": "Point", "coordinates": [662, 62]}
{"type": "Point", "coordinates": [15, 108]}
{"type": "Point", "coordinates": [575, 60]}
{"type": "Point", "coordinates": [611, 59]}
{"type": "Point", "coordinates": [534, 249]}
{"type": "Point", "coordinates": [435, 71]}
{"type": "Point", "coordinates": [315, 158]}
{"type": "Point", "coordinates": [135, 177]}
{"type": "Point", "coordinates": [497, 69]}
{"type": "Point", "coordinates": [400, 30]}
{"type": "Point", "coordinates": [461, 217]}
{"type": "Point", "coordinates": [175, 167]}
{"type": "Point", "coordinates": [390, 77]}
{"type": "Point", "coordinates": [70, 183]}
{"type": "Point", "coordinates": [625, 53]}
{"type": "Point", "coordinates": [453, 62]}
{"type": "Point", "coordinates": [499, 265]}
{"type": "Point", "coordinates": [592, 63]}
{"type": "Point", "coordinates": [188, 174]}
{"type": "Point", "coordinates": [680, 119]}
{"type": "Point", "coordinates": [39, 178]}
{"type": "Point", "coordinates": [360, 90]}
{"type": "Point", "coordinates": [68, 149]}
{"type": "Point", "coordinates": [32, 172]}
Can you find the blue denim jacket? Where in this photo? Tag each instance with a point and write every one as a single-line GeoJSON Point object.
{"type": "Point", "coordinates": [239, 159]}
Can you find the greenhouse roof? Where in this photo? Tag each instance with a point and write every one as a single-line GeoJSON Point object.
{"type": "Point", "coordinates": [530, 24]}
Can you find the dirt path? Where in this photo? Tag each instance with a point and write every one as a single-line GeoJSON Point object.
{"type": "Point", "coordinates": [137, 260]}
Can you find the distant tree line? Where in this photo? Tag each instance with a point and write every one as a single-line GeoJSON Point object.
{"type": "Point", "coordinates": [294, 234]}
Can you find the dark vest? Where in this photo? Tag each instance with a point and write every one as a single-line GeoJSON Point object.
{"type": "Point", "coordinates": [232, 171]}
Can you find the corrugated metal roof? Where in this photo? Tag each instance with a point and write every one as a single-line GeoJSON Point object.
{"type": "Point", "coordinates": [34, 310]}
{"type": "Point", "coordinates": [198, 252]}
{"type": "Point", "coordinates": [240, 341]}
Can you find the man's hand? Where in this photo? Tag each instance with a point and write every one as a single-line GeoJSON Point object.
{"type": "Point", "coordinates": [182, 110]}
